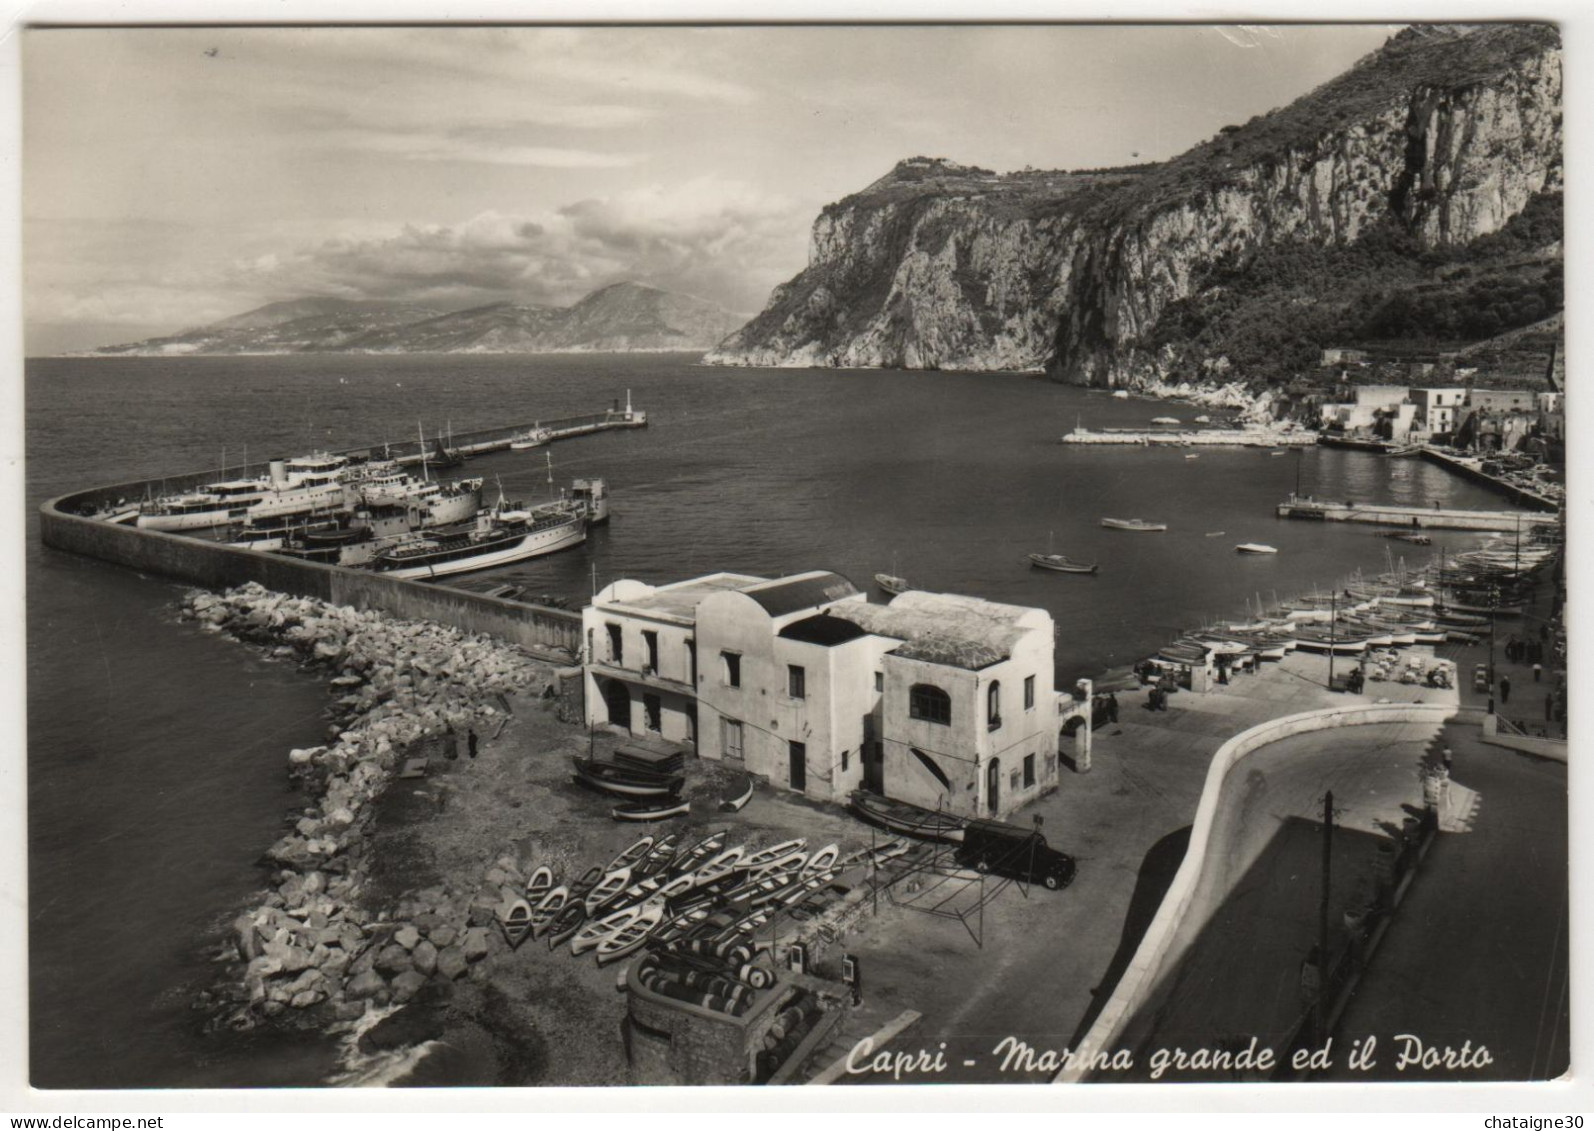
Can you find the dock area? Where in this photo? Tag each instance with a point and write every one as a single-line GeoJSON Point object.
{"type": "Point", "coordinates": [1224, 437]}
{"type": "Point", "coordinates": [1413, 517]}
{"type": "Point", "coordinates": [1473, 469]}
{"type": "Point", "coordinates": [499, 439]}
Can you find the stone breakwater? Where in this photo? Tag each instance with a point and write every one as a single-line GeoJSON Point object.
{"type": "Point", "coordinates": [313, 948]}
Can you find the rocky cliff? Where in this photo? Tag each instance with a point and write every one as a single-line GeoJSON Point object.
{"type": "Point", "coordinates": [1440, 138]}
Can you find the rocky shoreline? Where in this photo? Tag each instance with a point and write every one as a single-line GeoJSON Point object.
{"type": "Point", "coordinates": [314, 952]}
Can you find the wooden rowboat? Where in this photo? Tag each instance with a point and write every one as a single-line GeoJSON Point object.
{"type": "Point", "coordinates": [741, 796]}
{"type": "Point", "coordinates": [515, 920]}
{"type": "Point", "coordinates": [891, 583]}
{"type": "Point", "coordinates": [632, 856]}
{"type": "Point", "coordinates": [659, 857]}
{"type": "Point", "coordinates": [718, 867]}
{"type": "Point", "coordinates": [791, 861]}
{"type": "Point", "coordinates": [607, 890]}
{"type": "Point", "coordinates": [912, 820]}
{"type": "Point", "coordinates": [540, 884]}
{"type": "Point", "coordinates": [821, 861]}
{"type": "Point", "coordinates": [651, 810]}
{"type": "Point", "coordinates": [699, 853]}
{"type": "Point", "coordinates": [774, 852]}
{"type": "Point", "coordinates": [566, 923]}
{"type": "Point", "coordinates": [588, 881]}
{"type": "Point", "coordinates": [631, 936]}
{"type": "Point", "coordinates": [622, 781]}
{"type": "Point", "coordinates": [544, 914]}
{"type": "Point", "coordinates": [599, 929]}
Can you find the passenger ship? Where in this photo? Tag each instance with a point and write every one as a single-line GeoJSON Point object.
{"type": "Point", "coordinates": [308, 483]}
{"type": "Point", "coordinates": [499, 536]}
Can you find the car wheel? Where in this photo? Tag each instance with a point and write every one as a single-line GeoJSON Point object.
{"type": "Point", "coordinates": [981, 866]}
{"type": "Point", "coordinates": [1052, 883]}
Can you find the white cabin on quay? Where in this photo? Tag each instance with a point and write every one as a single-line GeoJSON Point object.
{"type": "Point", "coordinates": [936, 699]}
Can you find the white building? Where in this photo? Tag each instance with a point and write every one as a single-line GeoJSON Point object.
{"type": "Point", "coordinates": [1438, 410]}
{"type": "Point", "coordinates": [939, 700]}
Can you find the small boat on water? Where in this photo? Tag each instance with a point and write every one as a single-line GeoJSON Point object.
{"type": "Point", "coordinates": [624, 781]}
{"type": "Point", "coordinates": [1164, 420]}
{"type": "Point", "coordinates": [515, 921]}
{"type": "Point", "coordinates": [1203, 419]}
{"type": "Point", "coordinates": [1278, 452]}
{"type": "Point", "coordinates": [1192, 455]}
{"type": "Point", "coordinates": [505, 592]}
{"type": "Point", "coordinates": [1060, 563]}
{"type": "Point", "coordinates": [1120, 394]}
{"type": "Point", "coordinates": [1133, 524]}
{"type": "Point", "coordinates": [1255, 548]}
{"type": "Point", "coordinates": [911, 820]}
{"type": "Point", "coordinates": [1405, 452]}
{"type": "Point", "coordinates": [651, 810]}
{"type": "Point", "coordinates": [1215, 534]}
{"type": "Point", "coordinates": [891, 583]}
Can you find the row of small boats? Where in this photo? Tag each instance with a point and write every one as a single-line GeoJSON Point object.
{"type": "Point", "coordinates": [658, 893]}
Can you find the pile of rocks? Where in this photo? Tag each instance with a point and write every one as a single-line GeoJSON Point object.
{"type": "Point", "coordinates": [311, 942]}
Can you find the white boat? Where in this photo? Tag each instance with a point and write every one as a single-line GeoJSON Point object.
{"type": "Point", "coordinates": [1255, 548]}
{"type": "Point", "coordinates": [1203, 420]}
{"type": "Point", "coordinates": [891, 583]}
{"type": "Point", "coordinates": [534, 437]}
{"type": "Point", "coordinates": [304, 484]}
{"type": "Point", "coordinates": [499, 537]}
{"type": "Point", "coordinates": [1132, 524]}
{"type": "Point", "coordinates": [1164, 420]}
{"type": "Point", "coordinates": [1120, 394]}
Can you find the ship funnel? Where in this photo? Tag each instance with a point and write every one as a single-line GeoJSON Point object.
{"type": "Point", "coordinates": [279, 473]}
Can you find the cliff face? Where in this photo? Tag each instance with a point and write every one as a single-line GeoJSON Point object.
{"type": "Point", "coordinates": [1446, 133]}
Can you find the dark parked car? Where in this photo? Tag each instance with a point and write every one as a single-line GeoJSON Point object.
{"type": "Point", "coordinates": [1011, 850]}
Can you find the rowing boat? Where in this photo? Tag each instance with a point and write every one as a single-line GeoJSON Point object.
{"type": "Point", "coordinates": [742, 795]}
{"type": "Point", "coordinates": [631, 936]}
{"type": "Point", "coordinates": [912, 820]}
{"type": "Point", "coordinates": [891, 583]}
{"type": "Point", "coordinates": [607, 890]}
{"type": "Point", "coordinates": [515, 920]}
{"type": "Point", "coordinates": [1060, 563]}
{"type": "Point", "coordinates": [544, 914]}
{"type": "Point", "coordinates": [631, 856]}
{"type": "Point", "coordinates": [599, 929]}
{"type": "Point", "coordinates": [624, 781]}
{"type": "Point", "coordinates": [774, 852]}
{"type": "Point", "coordinates": [823, 860]}
{"type": "Point", "coordinates": [700, 852]}
{"type": "Point", "coordinates": [659, 856]}
{"type": "Point", "coordinates": [651, 810]}
{"type": "Point", "coordinates": [589, 880]}
{"type": "Point", "coordinates": [540, 884]}
{"type": "Point", "coordinates": [566, 923]}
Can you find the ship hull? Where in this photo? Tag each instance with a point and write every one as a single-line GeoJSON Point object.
{"type": "Point", "coordinates": [532, 545]}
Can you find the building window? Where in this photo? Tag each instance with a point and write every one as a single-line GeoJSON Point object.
{"type": "Point", "coordinates": [731, 668]}
{"type": "Point", "coordinates": [930, 704]}
{"type": "Point", "coordinates": [731, 738]}
{"type": "Point", "coordinates": [1029, 692]}
{"type": "Point", "coordinates": [691, 656]}
{"type": "Point", "coordinates": [879, 681]}
{"type": "Point", "coordinates": [650, 641]}
{"type": "Point", "coordinates": [1029, 771]}
{"type": "Point", "coordinates": [993, 705]}
{"type": "Point", "coordinates": [616, 644]}
{"type": "Point", "coordinates": [843, 761]}
{"type": "Point", "coordinates": [796, 682]}
{"type": "Point", "coordinates": [651, 709]}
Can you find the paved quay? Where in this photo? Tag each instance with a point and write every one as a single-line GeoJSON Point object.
{"type": "Point", "coordinates": [1049, 961]}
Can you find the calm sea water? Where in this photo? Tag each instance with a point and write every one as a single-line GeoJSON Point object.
{"type": "Point", "coordinates": [156, 754]}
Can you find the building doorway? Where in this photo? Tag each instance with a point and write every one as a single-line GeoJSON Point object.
{"type": "Point", "coordinates": [617, 701]}
{"type": "Point", "coordinates": [653, 712]}
{"type": "Point", "coordinates": [799, 766]}
{"type": "Point", "coordinates": [993, 785]}
{"type": "Point", "coordinates": [731, 739]}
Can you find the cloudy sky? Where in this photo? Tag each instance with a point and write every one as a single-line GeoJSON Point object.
{"type": "Point", "coordinates": [176, 176]}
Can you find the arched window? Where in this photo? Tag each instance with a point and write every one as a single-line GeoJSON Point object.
{"type": "Point", "coordinates": [929, 703]}
{"type": "Point", "coordinates": [993, 705]}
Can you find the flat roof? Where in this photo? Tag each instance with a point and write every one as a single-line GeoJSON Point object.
{"type": "Point", "coordinates": [944, 628]}
{"type": "Point", "coordinates": [680, 599]}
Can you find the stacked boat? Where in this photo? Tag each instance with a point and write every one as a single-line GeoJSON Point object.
{"type": "Point", "coordinates": [704, 899]}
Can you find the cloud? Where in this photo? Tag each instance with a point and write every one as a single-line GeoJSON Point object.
{"type": "Point", "coordinates": [719, 239]}
{"type": "Point", "coordinates": [482, 148]}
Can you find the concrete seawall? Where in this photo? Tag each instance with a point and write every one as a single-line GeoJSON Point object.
{"type": "Point", "coordinates": [1147, 969]}
{"type": "Point", "coordinates": [551, 633]}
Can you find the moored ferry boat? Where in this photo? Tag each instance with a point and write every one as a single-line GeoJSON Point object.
{"type": "Point", "coordinates": [498, 537]}
{"type": "Point", "coordinates": [302, 484]}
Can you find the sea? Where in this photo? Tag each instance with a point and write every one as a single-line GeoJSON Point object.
{"type": "Point", "coordinates": [156, 754]}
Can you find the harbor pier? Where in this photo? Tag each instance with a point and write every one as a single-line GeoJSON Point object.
{"type": "Point", "coordinates": [1411, 517]}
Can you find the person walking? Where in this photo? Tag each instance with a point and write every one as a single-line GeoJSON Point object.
{"type": "Point", "coordinates": [1505, 690]}
{"type": "Point", "coordinates": [1538, 672]}
{"type": "Point", "coordinates": [1112, 707]}
{"type": "Point", "coordinates": [471, 742]}
{"type": "Point", "coordinates": [1449, 757]}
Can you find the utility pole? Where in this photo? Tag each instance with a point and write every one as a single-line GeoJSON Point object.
{"type": "Point", "coordinates": [1322, 919]}
{"type": "Point", "coordinates": [1333, 616]}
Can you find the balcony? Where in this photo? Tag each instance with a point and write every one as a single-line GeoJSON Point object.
{"type": "Point", "coordinates": [646, 677]}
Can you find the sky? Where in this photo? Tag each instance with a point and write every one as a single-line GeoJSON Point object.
{"type": "Point", "coordinates": [176, 176]}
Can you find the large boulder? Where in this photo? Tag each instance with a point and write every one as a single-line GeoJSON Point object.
{"type": "Point", "coordinates": [365, 985]}
{"type": "Point", "coordinates": [407, 937]}
{"type": "Point", "coordinates": [475, 944]}
{"type": "Point", "coordinates": [451, 962]}
{"type": "Point", "coordinates": [424, 956]}
{"type": "Point", "coordinates": [393, 959]}
{"type": "Point", "coordinates": [407, 985]}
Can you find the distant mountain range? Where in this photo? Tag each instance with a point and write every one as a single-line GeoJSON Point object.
{"type": "Point", "coordinates": [624, 316]}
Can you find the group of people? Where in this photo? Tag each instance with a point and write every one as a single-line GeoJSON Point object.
{"type": "Point", "coordinates": [1526, 652]}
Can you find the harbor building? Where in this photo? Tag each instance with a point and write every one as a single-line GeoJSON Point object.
{"type": "Point", "coordinates": [1437, 409]}
{"type": "Point", "coordinates": [940, 700]}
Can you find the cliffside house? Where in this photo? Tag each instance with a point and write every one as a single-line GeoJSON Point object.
{"type": "Point", "coordinates": [941, 700]}
{"type": "Point", "coordinates": [1437, 409]}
